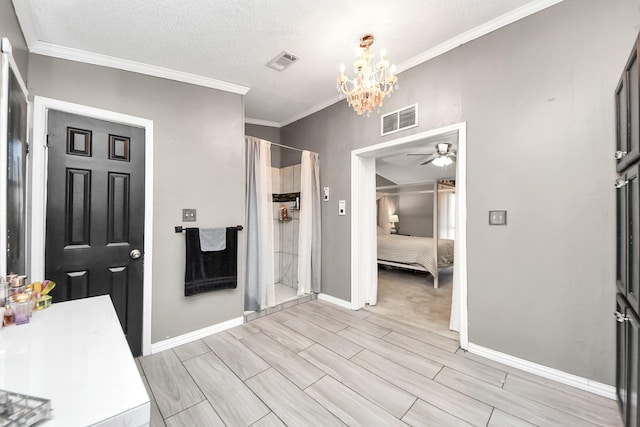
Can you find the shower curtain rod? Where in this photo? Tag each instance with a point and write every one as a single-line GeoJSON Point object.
{"type": "Point", "coordinates": [286, 146]}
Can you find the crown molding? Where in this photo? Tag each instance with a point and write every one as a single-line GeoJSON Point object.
{"type": "Point", "coordinates": [262, 122]}
{"type": "Point", "coordinates": [25, 18]}
{"type": "Point", "coordinates": [477, 32]}
{"type": "Point", "coordinates": [71, 54]}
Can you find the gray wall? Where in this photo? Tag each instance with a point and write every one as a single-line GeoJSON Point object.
{"type": "Point", "coordinates": [265, 132]}
{"type": "Point", "coordinates": [415, 212]}
{"type": "Point", "coordinates": [270, 134]}
{"type": "Point", "coordinates": [10, 28]}
{"type": "Point", "coordinates": [537, 97]}
{"type": "Point", "coordinates": [198, 163]}
{"type": "Point", "coordinates": [280, 157]}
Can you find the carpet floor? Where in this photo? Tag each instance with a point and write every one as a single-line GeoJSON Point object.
{"type": "Point", "coordinates": [409, 297]}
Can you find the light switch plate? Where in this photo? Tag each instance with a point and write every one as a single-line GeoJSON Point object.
{"type": "Point", "coordinates": [188, 215]}
{"type": "Point", "coordinates": [497, 217]}
{"type": "Point", "coordinates": [342, 207]}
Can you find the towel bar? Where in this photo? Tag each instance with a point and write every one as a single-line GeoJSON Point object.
{"type": "Point", "coordinates": [179, 229]}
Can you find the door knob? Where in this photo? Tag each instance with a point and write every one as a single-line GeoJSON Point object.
{"type": "Point", "coordinates": [135, 254]}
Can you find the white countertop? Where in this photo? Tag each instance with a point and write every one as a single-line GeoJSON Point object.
{"type": "Point", "coordinates": [75, 354]}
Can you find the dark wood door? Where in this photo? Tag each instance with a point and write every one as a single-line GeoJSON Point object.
{"type": "Point", "coordinates": [95, 215]}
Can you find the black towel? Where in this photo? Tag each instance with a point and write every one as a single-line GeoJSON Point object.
{"type": "Point", "coordinates": [210, 271]}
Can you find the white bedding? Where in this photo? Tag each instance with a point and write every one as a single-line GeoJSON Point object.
{"type": "Point", "coordinates": [415, 250]}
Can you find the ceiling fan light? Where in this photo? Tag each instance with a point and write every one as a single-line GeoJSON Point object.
{"type": "Point", "coordinates": [442, 161]}
{"type": "Point", "coordinates": [438, 161]}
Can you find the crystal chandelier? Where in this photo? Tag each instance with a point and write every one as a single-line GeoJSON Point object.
{"type": "Point", "coordinates": [372, 82]}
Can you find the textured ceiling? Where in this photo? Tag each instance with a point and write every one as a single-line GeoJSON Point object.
{"type": "Point", "coordinates": [232, 40]}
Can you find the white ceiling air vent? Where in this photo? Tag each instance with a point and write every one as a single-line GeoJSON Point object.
{"type": "Point", "coordinates": [282, 61]}
{"type": "Point", "coordinates": [399, 120]}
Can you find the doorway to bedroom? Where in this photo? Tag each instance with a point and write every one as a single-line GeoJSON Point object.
{"type": "Point", "coordinates": [415, 269]}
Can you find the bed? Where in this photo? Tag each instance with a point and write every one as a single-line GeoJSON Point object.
{"type": "Point", "coordinates": [415, 253]}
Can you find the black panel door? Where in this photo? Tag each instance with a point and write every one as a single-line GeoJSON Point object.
{"type": "Point", "coordinates": [95, 215]}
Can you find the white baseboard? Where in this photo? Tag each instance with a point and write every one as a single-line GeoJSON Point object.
{"type": "Point", "coordinates": [195, 335]}
{"type": "Point", "coordinates": [546, 372]}
{"type": "Point", "coordinates": [333, 300]}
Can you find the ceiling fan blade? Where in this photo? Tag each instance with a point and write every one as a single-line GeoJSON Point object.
{"type": "Point", "coordinates": [417, 154]}
{"type": "Point", "coordinates": [428, 161]}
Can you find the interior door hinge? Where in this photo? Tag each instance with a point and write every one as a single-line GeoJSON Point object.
{"type": "Point", "coordinates": [28, 148]}
{"type": "Point", "coordinates": [46, 140]}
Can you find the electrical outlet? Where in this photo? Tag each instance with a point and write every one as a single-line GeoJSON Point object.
{"type": "Point", "coordinates": [188, 215]}
{"type": "Point", "coordinates": [342, 208]}
{"type": "Point", "coordinates": [497, 217]}
{"type": "Point", "coordinates": [325, 194]}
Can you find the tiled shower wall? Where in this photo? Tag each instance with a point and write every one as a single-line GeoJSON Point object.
{"type": "Point", "coordinates": [285, 233]}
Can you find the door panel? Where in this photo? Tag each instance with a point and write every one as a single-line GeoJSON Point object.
{"type": "Point", "coordinates": [621, 235]}
{"type": "Point", "coordinates": [628, 236]}
{"type": "Point", "coordinates": [628, 112]}
{"type": "Point", "coordinates": [95, 214]}
{"type": "Point", "coordinates": [622, 120]}
{"type": "Point", "coordinates": [633, 237]}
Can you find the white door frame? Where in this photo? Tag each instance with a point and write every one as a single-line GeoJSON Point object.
{"type": "Point", "coordinates": [363, 219]}
{"type": "Point", "coordinates": [41, 107]}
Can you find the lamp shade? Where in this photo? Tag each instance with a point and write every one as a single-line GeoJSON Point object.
{"type": "Point", "coordinates": [394, 218]}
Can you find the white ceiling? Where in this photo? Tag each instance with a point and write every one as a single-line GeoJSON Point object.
{"type": "Point", "coordinates": [217, 41]}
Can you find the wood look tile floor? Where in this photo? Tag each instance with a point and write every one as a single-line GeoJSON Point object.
{"type": "Point", "coordinates": [316, 364]}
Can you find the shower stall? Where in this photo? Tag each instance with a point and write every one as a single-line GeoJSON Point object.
{"type": "Point", "coordinates": [286, 229]}
{"type": "Point", "coordinates": [283, 224]}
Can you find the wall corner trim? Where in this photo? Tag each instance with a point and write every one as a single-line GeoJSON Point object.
{"type": "Point", "coordinates": [545, 372]}
{"type": "Point", "coordinates": [195, 335]}
{"type": "Point", "coordinates": [337, 301]}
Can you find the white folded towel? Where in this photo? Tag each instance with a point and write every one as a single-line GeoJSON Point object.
{"type": "Point", "coordinates": [213, 239]}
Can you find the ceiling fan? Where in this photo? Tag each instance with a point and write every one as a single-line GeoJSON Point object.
{"type": "Point", "coordinates": [443, 155]}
